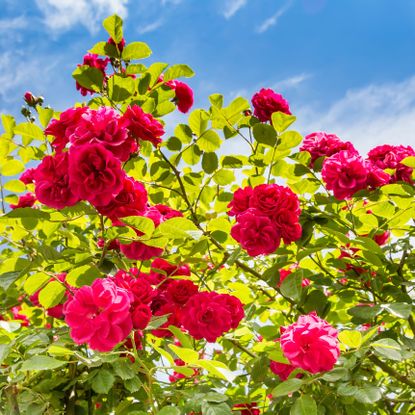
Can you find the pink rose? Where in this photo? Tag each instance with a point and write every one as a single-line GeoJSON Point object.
{"type": "Point", "coordinates": [282, 370]}
{"type": "Point", "coordinates": [207, 315]}
{"type": "Point", "coordinates": [256, 233]}
{"type": "Point", "coordinates": [26, 200]}
{"type": "Point", "coordinates": [266, 102]}
{"type": "Point", "coordinates": [240, 202]}
{"type": "Point", "coordinates": [141, 316]}
{"type": "Point", "coordinates": [142, 126]}
{"type": "Point", "coordinates": [311, 344]}
{"type": "Point", "coordinates": [99, 315]}
{"type": "Point", "coordinates": [321, 144]}
{"type": "Point", "coordinates": [52, 182]}
{"type": "Point", "coordinates": [28, 176]}
{"type": "Point", "coordinates": [95, 174]}
{"type": "Point", "coordinates": [345, 173]}
{"type": "Point", "coordinates": [63, 128]}
{"type": "Point", "coordinates": [103, 126]}
{"type": "Point", "coordinates": [184, 95]}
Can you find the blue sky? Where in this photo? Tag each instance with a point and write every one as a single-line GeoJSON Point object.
{"type": "Point", "coordinates": [346, 67]}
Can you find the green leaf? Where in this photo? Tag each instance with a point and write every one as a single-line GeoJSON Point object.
{"type": "Point", "coordinates": [141, 223]}
{"type": "Point", "coordinates": [136, 50]}
{"type": "Point", "coordinates": [178, 71]}
{"type": "Point", "coordinates": [216, 100]}
{"type": "Point", "coordinates": [35, 281]}
{"type": "Point", "coordinates": [224, 177]}
{"type": "Point", "coordinates": [351, 338]}
{"type": "Point", "coordinates": [184, 133]}
{"type": "Point", "coordinates": [135, 68]}
{"type": "Point", "coordinates": [191, 155]}
{"type": "Point", "coordinates": [113, 25]}
{"type": "Point", "coordinates": [198, 121]}
{"type": "Point", "coordinates": [209, 408]}
{"type": "Point", "coordinates": [287, 387]}
{"type": "Point", "coordinates": [89, 77]}
{"type": "Point", "coordinates": [42, 363]}
{"type": "Point", "coordinates": [11, 167]}
{"type": "Point", "coordinates": [289, 139]}
{"type": "Point", "coordinates": [265, 134]}
{"type": "Point", "coordinates": [232, 162]}
{"type": "Point", "coordinates": [176, 228]}
{"type": "Point", "coordinates": [183, 338]}
{"type": "Point", "coordinates": [209, 141]}
{"type": "Point", "coordinates": [304, 405]}
{"type": "Point", "coordinates": [45, 115]}
{"type": "Point", "coordinates": [388, 348]}
{"type": "Point", "coordinates": [83, 275]}
{"type": "Point", "coordinates": [401, 310]}
{"type": "Point", "coordinates": [187, 355]}
{"type": "Point", "coordinates": [281, 121]}
{"type": "Point", "coordinates": [105, 49]}
{"type": "Point", "coordinates": [408, 161]}
{"type": "Point", "coordinates": [123, 369]}
{"type": "Point", "coordinates": [52, 294]}
{"type": "Point", "coordinates": [169, 410]}
{"type": "Point", "coordinates": [120, 87]}
{"type": "Point", "coordinates": [210, 162]}
{"type": "Point", "coordinates": [15, 186]}
{"type": "Point", "coordinates": [368, 394]}
{"type": "Point", "coordinates": [103, 381]}
{"type": "Point", "coordinates": [27, 212]}
{"type": "Point", "coordinates": [30, 130]}
{"type": "Point", "coordinates": [213, 366]}
{"type": "Point", "coordinates": [336, 374]}
{"type": "Point", "coordinates": [291, 286]}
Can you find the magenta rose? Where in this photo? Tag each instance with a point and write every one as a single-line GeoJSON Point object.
{"type": "Point", "coordinates": [26, 200]}
{"type": "Point", "coordinates": [282, 370]}
{"type": "Point", "coordinates": [321, 144]}
{"type": "Point", "coordinates": [142, 126]}
{"type": "Point", "coordinates": [103, 126]}
{"type": "Point", "coordinates": [240, 202]}
{"type": "Point", "coordinates": [161, 270]}
{"type": "Point", "coordinates": [184, 95]}
{"type": "Point", "coordinates": [95, 174]}
{"type": "Point", "coordinates": [119, 45]}
{"type": "Point", "coordinates": [179, 291]}
{"type": "Point", "coordinates": [141, 316]}
{"type": "Point", "coordinates": [28, 176]}
{"type": "Point", "coordinates": [256, 233]}
{"type": "Point", "coordinates": [208, 316]}
{"type": "Point", "coordinates": [63, 128]}
{"type": "Point", "coordinates": [311, 344]}
{"type": "Point", "coordinates": [99, 315]}
{"type": "Point", "coordinates": [345, 173]}
{"type": "Point", "coordinates": [266, 102]}
{"type": "Point", "coordinates": [52, 186]}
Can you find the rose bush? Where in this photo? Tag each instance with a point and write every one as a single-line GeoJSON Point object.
{"type": "Point", "coordinates": [145, 271]}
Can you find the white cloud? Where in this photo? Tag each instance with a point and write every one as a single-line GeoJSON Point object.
{"type": "Point", "coordinates": [151, 27]}
{"type": "Point", "coordinates": [273, 20]}
{"type": "Point", "coordinates": [292, 82]}
{"type": "Point", "coordinates": [369, 116]}
{"type": "Point", "coordinates": [19, 22]}
{"type": "Point", "coordinates": [62, 15]}
{"type": "Point", "coordinates": [231, 7]}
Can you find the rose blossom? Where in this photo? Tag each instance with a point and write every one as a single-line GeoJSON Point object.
{"type": "Point", "coordinates": [311, 344]}
{"type": "Point", "coordinates": [95, 174]}
{"type": "Point", "coordinates": [28, 176]}
{"type": "Point", "coordinates": [321, 144]}
{"type": "Point", "coordinates": [142, 126]}
{"type": "Point", "coordinates": [180, 291]}
{"type": "Point", "coordinates": [256, 233]}
{"type": "Point", "coordinates": [240, 202]}
{"type": "Point", "coordinates": [345, 173]}
{"type": "Point", "coordinates": [184, 95]}
{"type": "Point", "coordinates": [103, 126]}
{"type": "Point", "coordinates": [167, 270]}
{"type": "Point", "coordinates": [208, 315]}
{"type": "Point", "coordinates": [99, 315]}
{"type": "Point", "coordinates": [52, 186]}
{"type": "Point", "coordinates": [282, 370]}
{"type": "Point", "coordinates": [389, 157]}
{"type": "Point", "coordinates": [141, 316]}
{"type": "Point", "coordinates": [26, 200]}
{"type": "Point", "coordinates": [266, 102]}
{"type": "Point", "coordinates": [119, 45]}
{"type": "Point", "coordinates": [63, 128]}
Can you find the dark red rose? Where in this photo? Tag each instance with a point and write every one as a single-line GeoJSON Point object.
{"type": "Point", "coordinates": [240, 202]}
{"type": "Point", "coordinates": [179, 291]}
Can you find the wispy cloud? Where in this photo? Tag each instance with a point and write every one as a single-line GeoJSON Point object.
{"type": "Point", "coordinates": [273, 20]}
{"type": "Point", "coordinates": [150, 27]}
{"type": "Point", "coordinates": [231, 7]}
{"type": "Point", "coordinates": [373, 115]}
{"type": "Point", "coordinates": [19, 22]}
{"type": "Point", "coordinates": [62, 15]}
{"type": "Point", "coordinates": [292, 82]}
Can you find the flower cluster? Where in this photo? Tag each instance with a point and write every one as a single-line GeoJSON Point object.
{"type": "Point", "coordinates": [266, 102]}
{"type": "Point", "coordinates": [310, 344]}
{"type": "Point", "coordinates": [345, 171]}
{"type": "Point", "coordinates": [104, 314]}
{"type": "Point", "coordinates": [265, 215]}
